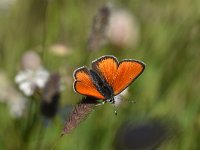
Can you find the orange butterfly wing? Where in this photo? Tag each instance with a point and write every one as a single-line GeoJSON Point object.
{"type": "Point", "coordinates": [106, 67]}
{"type": "Point", "coordinates": [118, 75]}
{"type": "Point", "coordinates": [83, 83]}
{"type": "Point", "coordinates": [127, 72]}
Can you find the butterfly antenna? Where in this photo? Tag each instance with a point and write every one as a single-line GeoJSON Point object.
{"type": "Point", "coordinates": [115, 108]}
{"type": "Point", "coordinates": [132, 101]}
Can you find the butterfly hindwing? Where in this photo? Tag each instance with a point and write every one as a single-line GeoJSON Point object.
{"type": "Point", "coordinates": [83, 83]}
{"type": "Point", "coordinates": [127, 72]}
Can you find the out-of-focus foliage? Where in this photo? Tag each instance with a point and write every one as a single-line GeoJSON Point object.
{"type": "Point", "coordinates": [168, 41]}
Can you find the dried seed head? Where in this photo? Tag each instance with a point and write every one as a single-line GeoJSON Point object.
{"type": "Point", "coordinates": [79, 114]}
{"type": "Point", "coordinates": [52, 87]}
{"type": "Point", "coordinates": [99, 26]}
{"type": "Point", "coordinates": [51, 96]}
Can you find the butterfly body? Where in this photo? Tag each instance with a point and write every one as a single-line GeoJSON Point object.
{"type": "Point", "coordinates": [102, 86]}
{"type": "Point", "coordinates": [107, 78]}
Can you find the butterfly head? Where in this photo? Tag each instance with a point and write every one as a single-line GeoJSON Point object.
{"type": "Point", "coordinates": [111, 100]}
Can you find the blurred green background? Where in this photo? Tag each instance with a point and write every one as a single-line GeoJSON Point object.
{"type": "Point", "coordinates": [167, 39]}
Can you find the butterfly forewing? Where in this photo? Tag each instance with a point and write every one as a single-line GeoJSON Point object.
{"type": "Point", "coordinates": [106, 67]}
{"type": "Point", "coordinates": [127, 72]}
{"type": "Point", "coordinates": [84, 84]}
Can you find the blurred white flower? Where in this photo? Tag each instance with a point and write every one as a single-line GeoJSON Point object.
{"type": "Point", "coordinates": [4, 86]}
{"type": "Point", "coordinates": [17, 105]}
{"type": "Point", "coordinates": [8, 94]}
{"type": "Point", "coordinates": [32, 75]}
{"type": "Point", "coordinates": [119, 98]}
{"type": "Point", "coordinates": [123, 30]}
{"type": "Point", "coordinates": [30, 60]}
{"type": "Point", "coordinates": [6, 4]}
{"type": "Point", "coordinates": [60, 50]}
{"type": "Point", "coordinates": [28, 80]}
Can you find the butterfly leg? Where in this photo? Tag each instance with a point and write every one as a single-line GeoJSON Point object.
{"type": "Point", "coordinates": [101, 103]}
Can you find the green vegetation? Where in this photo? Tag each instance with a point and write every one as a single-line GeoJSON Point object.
{"type": "Point", "coordinates": [168, 90]}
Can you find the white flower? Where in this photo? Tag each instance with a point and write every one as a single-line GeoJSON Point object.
{"type": "Point", "coordinates": [123, 30]}
{"type": "Point", "coordinates": [28, 80]}
{"type": "Point", "coordinates": [6, 4]}
{"type": "Point", "coordinates": [16, 102]}
{"type": "Point", "coordinates": [4, 87]}
{"type": "Point", "coordinates": [60, 49]}
{"type": "Point", "coordinates": [30, 60]}
{"type": "Point", "coordinates": [17, 106]}
{"type": "Point", "coordinates": [119, 98]}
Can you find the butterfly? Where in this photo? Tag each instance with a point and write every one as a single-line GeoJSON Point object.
{"type": "Point", "coordinates": [107, 78]}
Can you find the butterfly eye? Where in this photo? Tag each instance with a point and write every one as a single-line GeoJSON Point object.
{"type": "Point", "coordinates": [111, 101]}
